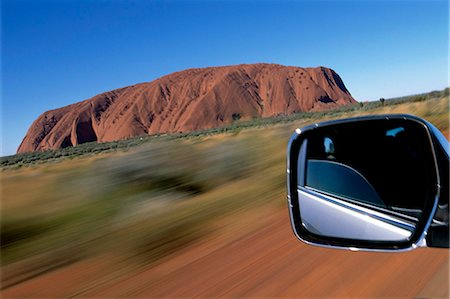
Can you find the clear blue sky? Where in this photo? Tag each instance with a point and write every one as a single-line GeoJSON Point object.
{"type": "Point", "coordinates": [59, 52]}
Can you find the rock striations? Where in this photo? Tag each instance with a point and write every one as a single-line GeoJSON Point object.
{"type": "Point", "coordinates": [189, 100]}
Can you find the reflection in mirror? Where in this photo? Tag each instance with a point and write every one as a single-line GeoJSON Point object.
{"type": "Point", "coordinates": [364, 181]}
{"type": "Point", "coordinates": [341, 180]}
{"type": "Point", "coordinates": [329, 147]}
{"type": "Point", "coordinates": [342, 220]}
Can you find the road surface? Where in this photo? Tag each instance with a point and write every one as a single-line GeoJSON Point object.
{"type": "Point", "coordinates": [264, 262]}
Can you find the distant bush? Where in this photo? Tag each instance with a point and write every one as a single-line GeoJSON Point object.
{"type": "Point", "coordinates": [236, 116]}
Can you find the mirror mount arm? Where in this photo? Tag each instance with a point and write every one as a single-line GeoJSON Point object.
{"type": "Point", "coordinates": [438, 233]}
{"type": "Point", "coordinates": [437, 236]}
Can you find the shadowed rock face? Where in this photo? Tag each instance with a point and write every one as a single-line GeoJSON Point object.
{"type": "Point", "coordinates": [188, 100]}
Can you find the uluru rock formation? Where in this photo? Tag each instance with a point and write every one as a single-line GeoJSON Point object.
{"type": "Point", "coordinates": [189, 100]}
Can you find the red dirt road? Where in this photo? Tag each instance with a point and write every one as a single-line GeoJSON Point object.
{"type": "Point", "coordinates": [266, 262]}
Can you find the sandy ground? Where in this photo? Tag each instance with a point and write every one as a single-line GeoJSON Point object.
{"type": "Point", "coordinates": [263, 261]}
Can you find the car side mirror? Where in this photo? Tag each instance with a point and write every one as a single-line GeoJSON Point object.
{"type": "Point", "coordinates": [370, 183]}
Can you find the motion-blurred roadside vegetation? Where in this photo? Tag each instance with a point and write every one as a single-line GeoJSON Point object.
{"type": "Point", "coordinates": [138, 204]}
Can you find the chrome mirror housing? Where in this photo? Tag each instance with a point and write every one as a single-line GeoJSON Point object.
{"type": "Point", "coordinates": [369, 183]}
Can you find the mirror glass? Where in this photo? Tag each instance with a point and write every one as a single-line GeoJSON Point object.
{"type": "Point", "coordinates": [364, 180]}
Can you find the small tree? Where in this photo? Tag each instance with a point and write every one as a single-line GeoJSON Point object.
{"type": "Point", "coordinates": [382, 101]}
